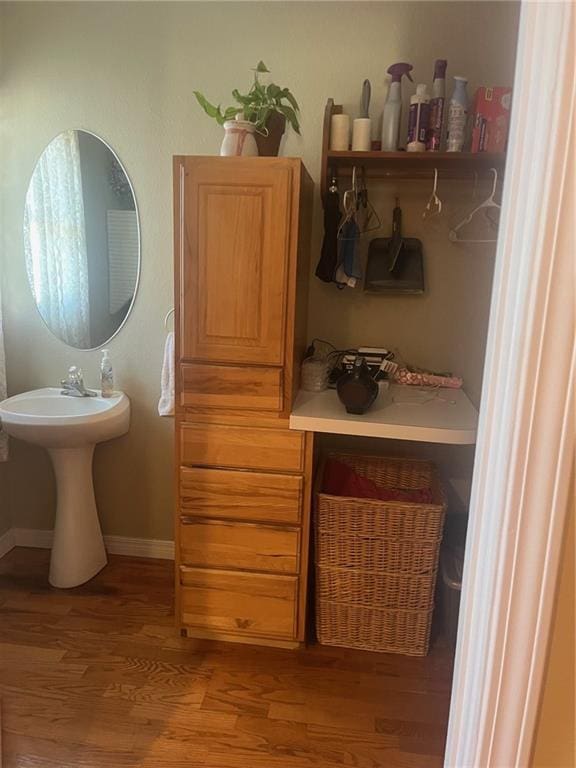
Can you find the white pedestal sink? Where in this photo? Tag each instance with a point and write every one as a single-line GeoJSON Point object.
{"type": "Point", "coordinates": [69, 427]}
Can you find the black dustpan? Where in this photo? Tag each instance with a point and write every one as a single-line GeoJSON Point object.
{"type": "Point", "coordinates": [395, 264]}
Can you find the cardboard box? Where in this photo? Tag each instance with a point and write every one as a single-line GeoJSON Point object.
{"type": "Point", "coordinates": [491, 119]}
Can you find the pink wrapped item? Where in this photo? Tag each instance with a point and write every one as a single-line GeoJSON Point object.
{"type": "Point", "coordinates": [419, 379]}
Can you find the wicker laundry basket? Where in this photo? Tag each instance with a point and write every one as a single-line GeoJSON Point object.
{"type": "Point", "coordinates": [377, 561]}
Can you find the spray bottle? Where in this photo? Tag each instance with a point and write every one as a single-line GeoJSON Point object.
{"type": "Point", "coordinates": [437, 102]}
{"type": "Point", "coordinates": [393, 107]}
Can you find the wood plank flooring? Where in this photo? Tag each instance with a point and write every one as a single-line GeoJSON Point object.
{"type": "Point", "coordinates": [97, 677]}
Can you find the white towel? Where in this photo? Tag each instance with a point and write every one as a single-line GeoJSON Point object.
{"type": "Point", "coordinates": [166, 402]}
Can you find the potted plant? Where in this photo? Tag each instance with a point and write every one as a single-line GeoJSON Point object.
{"type": "Point", "coordinates": [262, 114]}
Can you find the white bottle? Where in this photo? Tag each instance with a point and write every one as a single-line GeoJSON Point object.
{"type": "Point", "coordinates": [418, 119]}
{"type": "Point", "coordinates": [457, 113]}
{"type": "Point", "coordinates": [106, 375]}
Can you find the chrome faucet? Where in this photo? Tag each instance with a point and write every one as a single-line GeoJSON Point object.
{"type": "Point", "coordinates": [73, 386]}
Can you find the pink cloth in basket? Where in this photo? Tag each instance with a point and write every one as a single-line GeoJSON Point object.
{"type": "Point", "coordinates": [341, 480]}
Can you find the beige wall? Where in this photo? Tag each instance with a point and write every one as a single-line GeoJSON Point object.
{"type": "Point", "coordinates": [126, 71]}
{"type": "Point", "coordinates": [555, 745]}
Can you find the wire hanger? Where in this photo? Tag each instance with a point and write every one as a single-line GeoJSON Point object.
{"type": "Point", "coordinates": [434, 205]}
{"type": "Point", "coordinates": [370, 213]}
{"type": "Point", "coordinates": [354, 202]}
{"type": "Point", "coordinates": [349, 204]}
{"type": "Point", "coordinates": [349, 207]}
{"type": "Point", "coordinates": [167, 317]}
{"type": "Point", "coordinates": [485, 205]}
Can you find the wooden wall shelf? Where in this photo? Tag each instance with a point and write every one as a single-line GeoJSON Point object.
{"type": "Point", "coordinates": [407, 165]}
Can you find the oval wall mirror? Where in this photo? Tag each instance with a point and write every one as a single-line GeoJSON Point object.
{"type": "Point", "coordinates": [82, 239]}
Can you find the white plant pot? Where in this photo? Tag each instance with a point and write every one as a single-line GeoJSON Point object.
{"type": "Point", "coordinates": [238, 139]}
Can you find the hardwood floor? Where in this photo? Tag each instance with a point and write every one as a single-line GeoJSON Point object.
{"type": "Point", "coordinates": [97, 677]}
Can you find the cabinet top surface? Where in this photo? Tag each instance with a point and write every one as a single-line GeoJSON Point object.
{"type": "Point", "coordinates": [411, 413]}
{"type": "Point", "coordinates": [242, 160]}
{"type": "Point", "coordinates": [245, 164]}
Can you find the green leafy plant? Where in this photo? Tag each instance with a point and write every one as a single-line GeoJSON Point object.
{"type": "Point", "coordinates": [256, 105]}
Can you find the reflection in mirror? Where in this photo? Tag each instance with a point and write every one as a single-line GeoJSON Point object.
{"type": "Point", "coordinates": [81, 239]}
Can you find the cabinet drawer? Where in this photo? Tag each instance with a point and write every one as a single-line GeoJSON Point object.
{"type": "Point", "coordinates": [230, 386]}
{"type": "Point", "coordinates": [240, 495]}
{"type": "Point", "coordinates": [217, 445]}
{"type": "Point", "coordinates": [240, 603]}
{"type": "Point", "coordinates": [219, 544]}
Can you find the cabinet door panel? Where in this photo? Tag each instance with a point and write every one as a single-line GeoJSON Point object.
{"type": "Point", "coordinates": [235, 263]}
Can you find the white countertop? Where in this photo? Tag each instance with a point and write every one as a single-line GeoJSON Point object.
{"type": "Point", "coordinates": [407, 413]}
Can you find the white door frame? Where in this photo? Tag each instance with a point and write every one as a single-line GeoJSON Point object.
{"type": "Point", "coordinates": [526, 433]}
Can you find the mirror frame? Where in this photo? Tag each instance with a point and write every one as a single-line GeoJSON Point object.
{"type": "Point", "coordinates": [139, 270]}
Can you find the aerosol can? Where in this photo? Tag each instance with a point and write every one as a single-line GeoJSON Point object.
{"type": "Point", "coordinates": [434, 136]}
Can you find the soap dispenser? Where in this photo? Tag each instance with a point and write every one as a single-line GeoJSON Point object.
{"type": "Point", "coordinates": [106, 375]}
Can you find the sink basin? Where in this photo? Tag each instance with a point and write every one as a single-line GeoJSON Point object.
{"type": "Point", "coordinates": [69, 428]}
{"type": "Point", "coordinates": [46, 417]}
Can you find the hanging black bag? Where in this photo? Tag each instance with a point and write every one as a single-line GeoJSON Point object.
{"type": "Point", "coordinates": [326, 268]}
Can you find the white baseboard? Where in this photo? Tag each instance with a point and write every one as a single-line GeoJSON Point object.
{"type": "Point", "coordinates": [7, 542]}
{"type": "Point", "coordinates": [32, 537]}
{"type": "Point", "coordinates": [124, 545]}
{"type": "Point", "coordinates": [115, 545]}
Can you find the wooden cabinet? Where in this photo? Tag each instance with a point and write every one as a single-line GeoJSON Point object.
{"type": "Point", "coordinates": [242, 230]}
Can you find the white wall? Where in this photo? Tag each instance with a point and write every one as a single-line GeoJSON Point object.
{"type": "Point", "coordinates": [126, 71]}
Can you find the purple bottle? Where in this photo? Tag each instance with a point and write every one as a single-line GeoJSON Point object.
{"type": "Point", "coordinates": [437, 105]}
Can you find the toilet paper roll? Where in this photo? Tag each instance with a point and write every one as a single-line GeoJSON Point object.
{"type": "Point", "coordinates": [340, 133]}
{"type": "Point", "coordinates": [362, 135]}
